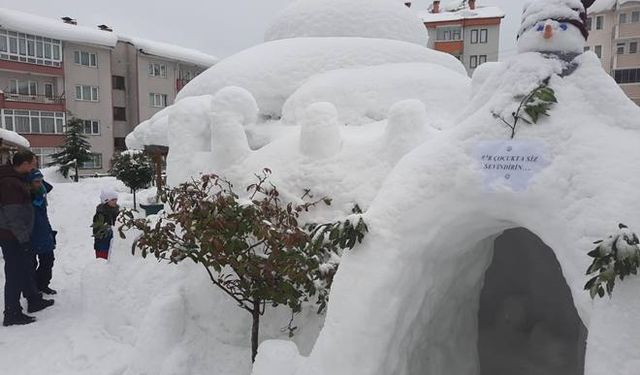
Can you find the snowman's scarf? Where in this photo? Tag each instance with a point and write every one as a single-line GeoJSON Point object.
{"type": "Point", "coordinates": [568, 58]}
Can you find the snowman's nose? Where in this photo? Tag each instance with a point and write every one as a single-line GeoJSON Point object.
{"type": "Point", "coordinates": [548, 31]}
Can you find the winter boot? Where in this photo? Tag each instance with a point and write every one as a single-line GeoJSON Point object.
{"type": "Point", "coordinates": [49, 291]}
{"type": "Point", "coordinates": [17, 319]}
{"type": "Point", "coordinates": [39, 304]}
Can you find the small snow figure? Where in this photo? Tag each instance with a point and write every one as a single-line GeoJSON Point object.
{"type": "Point", "coordinates": [105, 217]}
{"type": "Point", "coordinates": [556, 27]}
{"type": "Point", "coordinates": [617, 256]}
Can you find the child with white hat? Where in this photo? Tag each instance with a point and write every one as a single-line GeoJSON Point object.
{"type": "Point", "coordinates": [103, 221]}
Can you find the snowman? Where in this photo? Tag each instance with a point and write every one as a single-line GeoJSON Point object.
{"type": "Point", "coordinates": [555, 27]}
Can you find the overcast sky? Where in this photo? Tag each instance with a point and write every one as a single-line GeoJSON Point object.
{"type": "Point", "coordinates": [218, 27]}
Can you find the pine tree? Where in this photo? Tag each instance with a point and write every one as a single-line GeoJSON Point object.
{"type": "Point", "coordinates": [76, 149]}
{"type": "Point", "coordinates": [134, 169]}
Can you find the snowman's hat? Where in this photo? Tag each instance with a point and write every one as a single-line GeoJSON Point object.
{"type": "Point", "coordinates": [569, 11]}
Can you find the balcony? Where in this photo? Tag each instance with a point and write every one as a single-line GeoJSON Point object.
{"type": "Point", "coordinates": [33, 102]}
{"type": "Point", "coordinates": [180, 83]}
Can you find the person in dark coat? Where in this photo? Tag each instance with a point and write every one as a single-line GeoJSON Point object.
{"type": "Point", "coordinates": [43, 237]}
{"type": "Point", "coordinates": [103, 221]}
{"type": "Point", "coordinates": [16, 224]}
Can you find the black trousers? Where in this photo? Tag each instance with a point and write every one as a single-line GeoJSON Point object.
{"type": "Point", "coordinates": [44, 267]}
{"type": "Point", "coordinates": [19, 276]}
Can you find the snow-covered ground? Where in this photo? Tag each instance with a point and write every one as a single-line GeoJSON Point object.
{"type": "Point", "coordinates": [130, 316]}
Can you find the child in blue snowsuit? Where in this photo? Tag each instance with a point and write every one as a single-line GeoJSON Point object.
{"type": "Point", "coordinates": [103, 221]}
{"type": "Point", "coordinates": [43, 238]}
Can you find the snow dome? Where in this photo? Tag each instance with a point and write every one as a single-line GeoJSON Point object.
{"type": "Point", "coordinates": [381, 19]}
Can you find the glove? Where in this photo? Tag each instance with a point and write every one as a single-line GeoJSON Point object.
{"type": "Point", "coordinates": [26, 246]}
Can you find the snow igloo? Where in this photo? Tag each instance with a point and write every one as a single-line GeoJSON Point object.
{"type": "Point", "coordinates": [479, 229]}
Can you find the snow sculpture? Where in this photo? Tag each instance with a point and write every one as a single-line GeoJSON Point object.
{"type": "Point", "coordinates": [406, 128]}
{"type": "Point", "coordinates": [188, 129]}
{"type": "Point", "coordinates": [407, 301]}
{"type": "Point", "coordinates": [320, 134]}
{"type": "Point", "coordinates": [364, 95]}
{"type": "Point", "coordinates": [382, 19]}
{"type": "Point", "coordinates": [274, 70]}
{"type": "Point", "coordinates": [236, 100]}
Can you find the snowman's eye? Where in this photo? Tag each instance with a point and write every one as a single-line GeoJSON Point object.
{"type": "Point", "coordinates": [564, 26]}
{"type": "Point", "coordinates": [540, 27]}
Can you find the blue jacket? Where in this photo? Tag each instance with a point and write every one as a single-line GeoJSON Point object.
{"type": "Point", "coordinates": [42, 236]}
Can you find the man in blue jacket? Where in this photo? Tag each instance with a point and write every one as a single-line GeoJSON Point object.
{"type": "Point", "coordinates": [16, 224]}
{"type": "Point", "coordinates": [43, 237]}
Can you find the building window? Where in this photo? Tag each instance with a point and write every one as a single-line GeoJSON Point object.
{"type": "Point", "coordinates": [449, 33]}
{"type": "Point", "coordinates": [158, 100]}
{"type": "Point", "coordinates": [633, 47]}
{"type": "Point", "coordinates": [473, 62]}
{"type": "Point", "coordinates": [620, 48]}
{"type": "Point", "coordinates": [18, 87]}
{"type": "Point", "coordinates": [44, 155]}
{"type": "Point", "coordinates": [482, 59]}
{"type": "Point", "coordinates": [589, 23]}
{"type": "Point", "coordinates": [95, 162]}
{"type": "Point", "coordinates": [635, 16]}
{"type": "Point", "coordinates": [48, 90]}
{"type": "Point", "coordinates": [119, 144]}
{"type": "Point", "coordinates": [598, 51]}
{"type": "Point", "coordinates": [87, 93]}
{"type": "Point", "coordinates": [587, 48]}
{"type": "Point", "coordinates": [119, 114]}
{"type": "Point", "coordinates": [157, 70]}
{"type": "Point", "coordinates": [599, 22]}
{"type": "Point", "coordinates": [91, 127]}
{"type": "Point", "coordinates": [474, 36]}
{"type": "Point", "coordinates": [484, 35]}
{"type": "Point", "coordinates": [627, 75]}
{"type": "Point", "coordinates": [118, 82]}
{"type": "Point", "coordinates": [623, 18]}
{"type": "Point", "coordinates": [33, 122]}
{"type": "Point", "coordinates": [85, 58]}
{"type": "Point", "coordinates": [30, 48]}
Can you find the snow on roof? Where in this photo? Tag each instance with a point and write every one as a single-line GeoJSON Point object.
{"type": "Point", "coordinates": [32, 24]}
{"type": "Point", "coordinates": [170, 51]}
{"type": "Point", "coordinates": [13, 137]}
{"type": "Point", "coordinates": [479, 12]}
{"type": "Point", "coordinates": [600, 6]}
{"type": "Point", "coordinates": [38, 25]}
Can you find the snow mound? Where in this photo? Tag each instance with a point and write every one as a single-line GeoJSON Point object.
{"type": "Point", "coordinates": [229, 141]}
{"type": "Point", "coordinates": [364, 95]}
{"type": "Point", "coordinates": [406, 128]}
{"type": "Point", "coordinates": [13, 137]}
{"type": "Point", "coordinates": [380, 19]}
{"type": "Point", "coordinates": [236, 100]}
{"type": "Point", "coordinates": [320, 133]}
{"type": "Point", "coordinates": [273, 71]}
{"type": "Point", "coordinates": [481, 74]}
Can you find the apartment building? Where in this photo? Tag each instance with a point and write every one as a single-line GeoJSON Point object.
{"type": "Point", "coordinates": [52, 70]}
{"type": "Point", "coordinates": [147, 77]}
{"type": "Point", "coordinates": [470, 33]}
{"type": "Point", "coordinates": [614, 36]}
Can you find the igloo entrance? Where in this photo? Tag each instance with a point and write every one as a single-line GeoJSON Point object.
{"type": "Point", "coordinates": [505, 310]}
{"type": "Point", "coordinates": [527, 322]}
